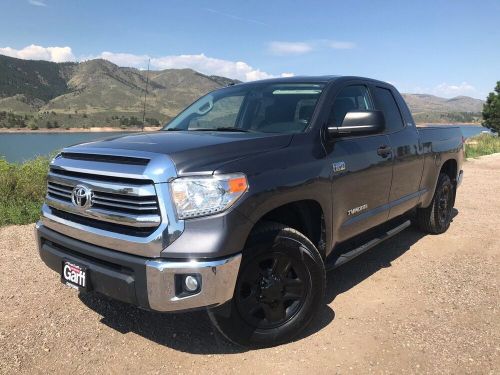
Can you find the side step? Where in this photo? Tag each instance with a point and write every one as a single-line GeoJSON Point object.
{"type": "Point", "coordinates": [346, 257]}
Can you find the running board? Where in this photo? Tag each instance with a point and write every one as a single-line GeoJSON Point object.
{"type": "Point", "coordinates": [346, 257]}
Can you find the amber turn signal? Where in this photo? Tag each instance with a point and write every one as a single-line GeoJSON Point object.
{"type": "Point", "coordinates": [238, 184]}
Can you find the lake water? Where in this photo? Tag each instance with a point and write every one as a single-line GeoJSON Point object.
{"type": "Point", "coordinates": [18, 147]}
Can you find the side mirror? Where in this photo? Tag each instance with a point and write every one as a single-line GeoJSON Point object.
{"type": "Point", "coordinates": [359, 123]}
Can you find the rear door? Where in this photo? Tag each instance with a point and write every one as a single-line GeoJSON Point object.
{"type": "Point", "coordinates": [405, 147]}
{"type": "Point", "coordinates": [361, 173]}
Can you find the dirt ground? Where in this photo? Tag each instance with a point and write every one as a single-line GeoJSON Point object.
{"type": "Point", "coordinates": [415, 304]}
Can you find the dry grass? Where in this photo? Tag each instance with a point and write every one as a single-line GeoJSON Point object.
{"type": "Point", "coordinates": [484, 144]}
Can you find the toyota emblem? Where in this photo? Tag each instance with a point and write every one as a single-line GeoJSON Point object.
{"type": "Point", "coordinates": [81, 197]}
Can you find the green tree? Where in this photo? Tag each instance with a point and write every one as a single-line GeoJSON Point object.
{"type": "Point", "coordinates": [491, 110]}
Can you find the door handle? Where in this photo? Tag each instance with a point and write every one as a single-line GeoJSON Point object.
{"type": "Point", "coordinates": [384, 151]}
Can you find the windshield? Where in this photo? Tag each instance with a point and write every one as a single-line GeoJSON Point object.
{"type": "Point", "coordinates": [266, 108]}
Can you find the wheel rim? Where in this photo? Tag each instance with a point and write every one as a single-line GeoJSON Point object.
{"type": "Point", "coordinates": [271, 290]}
{"type": "Point", "coordinates": [445, 205]}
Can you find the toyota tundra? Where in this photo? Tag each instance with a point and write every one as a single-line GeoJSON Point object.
{"type": "Point", "coordinates": [241, 203]}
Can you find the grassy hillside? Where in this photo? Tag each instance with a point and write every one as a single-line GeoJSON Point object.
{"type": "Point", "coordinates": [34, 79]}
{"type": "Point", "coordinates": [94, 93]}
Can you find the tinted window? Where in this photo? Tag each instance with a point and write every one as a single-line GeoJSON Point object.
{"type": "Point", "coordinates": [223, 113]}
{"type": "Point", "coordinates": [387, 104]}
{"type": "Point", "coordinates": [350, 98]}
{"type": "Point", "coordinates": [266, 108]}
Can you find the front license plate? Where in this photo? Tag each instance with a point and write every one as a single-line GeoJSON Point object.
{"type": "Point", "coordinates": [75, 275]}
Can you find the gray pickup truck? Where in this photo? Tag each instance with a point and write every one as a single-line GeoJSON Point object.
{"type": "Point", "coordinates": [243, 201]}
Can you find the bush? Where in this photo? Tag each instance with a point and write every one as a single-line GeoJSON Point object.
{"type": "Point", "coordinates": [483, 144]}
{"type": "Point", "coordinates": [22, 190]}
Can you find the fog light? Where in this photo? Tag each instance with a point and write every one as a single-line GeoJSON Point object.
{"type": "Point", "coordinates": [190, 283]}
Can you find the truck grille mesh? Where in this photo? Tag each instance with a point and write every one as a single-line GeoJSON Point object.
{"type": "Point", "coordinates": [120, 205]}
{"type": "Point", "coordinates": [107, 201]}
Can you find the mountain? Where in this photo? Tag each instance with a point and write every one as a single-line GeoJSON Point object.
{"type": "Point", "coordinates": [430, 108]}
{"type": "Point", "coordinates": [38, 79]}
{"type": "Point", "coordinates": [431, 103]}
{"type": "Point", "coordinates": [100, 93]}
{"type": "Point", "coordinates": [94, 93]}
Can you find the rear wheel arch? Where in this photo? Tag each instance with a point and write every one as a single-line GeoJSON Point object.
{"type": "Point", "coordinates": [436, 218]}
{"type": "Point", "coordinates": [450, 168]}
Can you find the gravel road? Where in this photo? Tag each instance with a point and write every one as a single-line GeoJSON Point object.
{"type": "Point", "coordinates": [415, 304]}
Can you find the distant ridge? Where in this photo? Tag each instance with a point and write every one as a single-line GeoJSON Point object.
{"type": "Point", "coordinates": [100, 93]}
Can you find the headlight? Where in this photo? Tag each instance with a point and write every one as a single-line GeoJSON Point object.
{"type": "Point", "coordinates": [200, 196]}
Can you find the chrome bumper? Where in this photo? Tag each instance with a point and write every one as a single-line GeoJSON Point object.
{"type": "Point", "coordinates": [150, 283]}
{"type": "Point", "coordinates": [218, 279]}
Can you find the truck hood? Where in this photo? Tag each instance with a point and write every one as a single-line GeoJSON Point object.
{"type": "Point", "coordinates": [197, 152]}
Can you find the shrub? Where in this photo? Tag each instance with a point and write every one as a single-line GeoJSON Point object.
{"type": "Point", "coordinates": [22, 190]}
{"type": "Point", "coordinates": [483, 144]}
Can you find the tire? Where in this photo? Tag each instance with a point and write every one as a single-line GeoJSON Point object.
{"type": "Point", "coordinates": [280, 288]}
{"type": "Point", "coordinates": [436, 218]}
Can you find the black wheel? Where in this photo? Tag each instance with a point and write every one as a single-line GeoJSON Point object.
{"type": "Point", "coordinates": [280, 287]}
{"type": "Point", "coordinates": [436, 218]}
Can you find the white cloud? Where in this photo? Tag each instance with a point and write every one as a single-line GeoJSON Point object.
{"type": "Point", "coordinates": [126, 59]}
{"type": "Point", "coordinates": [341, 45]}
{"type": "Point", "coordinates": [287, 74]}
{"type": "Point", "coordinates": [290, 48]}
{"type": "Point", "coordinates": [301, 48]}
{"type": "Point", "coordinates": [207, 65]}
{"type": "Point", "coordinates": [201, 63]}
{"type": "Point", "coordinates": [448, 90]}
{"type": "Point", "coordinates": [37, 3]}
{"type": "Point", "coordinates": [210, 65]}
{"type": "Point", "coordinates": [34, 52]}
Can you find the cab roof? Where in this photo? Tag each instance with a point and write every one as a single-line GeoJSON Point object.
{"type": "Point", "coordinates": [312, 79]}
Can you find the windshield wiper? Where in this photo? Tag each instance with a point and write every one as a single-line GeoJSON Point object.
{"type": "Point", "coordinates": [222, 129]}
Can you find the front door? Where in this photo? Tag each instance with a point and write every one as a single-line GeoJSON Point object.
{"type": "Point", "coordinates": [361, 170]}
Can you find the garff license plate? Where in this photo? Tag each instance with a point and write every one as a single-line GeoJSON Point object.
{"type": "Point", "coordinates": [74, 275]}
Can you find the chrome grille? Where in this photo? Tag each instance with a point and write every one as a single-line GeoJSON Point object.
{"type": "Point", "coordinates": [132, 211]}
{"type": "Point", "coordinates": [129, 203]}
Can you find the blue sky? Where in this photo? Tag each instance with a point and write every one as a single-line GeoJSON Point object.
{"type": "Point", "coordinates": [442, 47]}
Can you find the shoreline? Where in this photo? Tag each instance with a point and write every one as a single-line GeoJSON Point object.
{"type": "Point", "coordinates": [448, 124]}
{"type": "Point", "coordinates": [97, 129]}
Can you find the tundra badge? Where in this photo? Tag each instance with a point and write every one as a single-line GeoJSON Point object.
{"type": "Point", "coordinates": [356, 210]}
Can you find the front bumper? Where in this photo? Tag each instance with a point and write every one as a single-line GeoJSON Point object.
{"type": "Point", "coordinates": [150, 283]}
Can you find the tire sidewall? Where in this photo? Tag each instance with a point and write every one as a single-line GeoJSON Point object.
{"type": "Point", "coordinates": [240, 332]}
{"type": "Point", "coordinates": [444, 180]}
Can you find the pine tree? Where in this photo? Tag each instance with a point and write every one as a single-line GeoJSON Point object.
{"type": "Point", "coordinates": [491, 110]}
